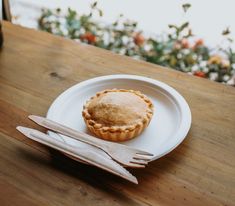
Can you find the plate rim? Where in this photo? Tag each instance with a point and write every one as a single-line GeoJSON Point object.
{"type": "Point", "coordinates": [186, 116]}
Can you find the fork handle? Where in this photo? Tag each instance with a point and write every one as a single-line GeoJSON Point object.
{"type": "Point", "coordinates": [54, 126]}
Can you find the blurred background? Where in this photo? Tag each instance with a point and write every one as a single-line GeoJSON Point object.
{"type": "Point", "coordinates": [193, 36]}
{"type": "Point", "coordinates": [207, 17]}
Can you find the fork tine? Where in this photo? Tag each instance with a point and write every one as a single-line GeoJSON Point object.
{"type": "Point", "coordinates": [140, 162]}
{"type": "Point", "coordinates": [142, 157]}
{"type": "Point", "coordinates": [135, 165]}
{"type": "Point", "coordinates": [143, 153]}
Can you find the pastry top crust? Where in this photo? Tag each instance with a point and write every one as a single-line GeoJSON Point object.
{"type": "Point", "coordinates": [118, 110]}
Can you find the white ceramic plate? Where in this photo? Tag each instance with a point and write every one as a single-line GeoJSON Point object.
{"type": "Point", "coordinates": [168, 128]}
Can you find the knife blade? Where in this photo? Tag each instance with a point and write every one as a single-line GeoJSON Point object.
{"type": "Point", "coordinates": [86, 155]}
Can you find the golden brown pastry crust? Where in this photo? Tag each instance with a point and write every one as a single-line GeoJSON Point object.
{"type": "Point", "coordinates": [118, 114]}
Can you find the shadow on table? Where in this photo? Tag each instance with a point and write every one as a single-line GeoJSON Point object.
{"type": "Point", "coordinates": [106, 181]}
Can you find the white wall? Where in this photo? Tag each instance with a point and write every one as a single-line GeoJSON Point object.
{"type": "Point", "coordinates": [207, 17]}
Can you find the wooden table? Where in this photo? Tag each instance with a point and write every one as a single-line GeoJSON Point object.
{"type": "Point", "coordinates": [35, 67]}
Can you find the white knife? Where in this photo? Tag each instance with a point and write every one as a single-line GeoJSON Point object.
{"type": "Point", "coordinates": [86, 155]}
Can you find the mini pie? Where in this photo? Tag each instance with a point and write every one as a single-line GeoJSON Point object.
{"type": "Point", "coordinates": [117, 114]}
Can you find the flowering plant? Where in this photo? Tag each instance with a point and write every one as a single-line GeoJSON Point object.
{"type": "Point", "coordinates": [179, 49]}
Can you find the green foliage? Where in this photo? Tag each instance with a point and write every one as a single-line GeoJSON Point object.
{"type": "Point", "coordinates": [186, 7]}
{"type": "Point", "coordinates": [178, 49]}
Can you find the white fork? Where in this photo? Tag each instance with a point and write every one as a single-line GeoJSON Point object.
{"type": "Point", "coordinates": [123, 154]}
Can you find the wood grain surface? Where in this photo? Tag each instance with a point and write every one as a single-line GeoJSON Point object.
{"type": "Point", "coordinates": [35, 67]}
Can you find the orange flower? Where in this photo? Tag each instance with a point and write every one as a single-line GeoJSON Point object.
{"type": "Point", "coordinates": [185, 43]}
{"type": "Point", "coordinates": [139, 39]}
{"type": "Point", "coordinates": [200, 74]}
{"type": "Point", "coordinates": [198, 43]}
{"type": "Point", "coordinates": [177, 46]}
{"type": "Point", "coordinates": [225, 63]}
{"type": "Point", "coordinates": [89, 37]}
{"type": "Point", "coordinates": [216, 59]}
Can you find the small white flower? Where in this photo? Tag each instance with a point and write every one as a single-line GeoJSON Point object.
{"type": "Point", "coordinates": [82, 30]}
{"type": "Point", "coordinates": [199, 58]}
{"type": "Point", "coordinates": [136, 57]}
{"type": "Point", "coordinates": [99, 33]}
{"type": "Point", "coordinates": [233, 65]}
{"type": "Point", "coordinates": [179, 55]}
{"type": "Point", "coordinates": [185, 51]}
{"type": "Point", "coordinates": [213, 76]}
{"type": "Point", "coordinates": [65, 31]}
{"type": "Point", "coordinates": [203, 63]}
{"type": "Point", "coordinates": [226, 78]}
{"type": "Point", "coordinates": [194, 56]}
{"type": "Point", "coordinates": [182, 65]}
{"type": "Point", "coordinates": [195, 67]}
{"type": "Point", "coordinates": [122, 51]}
{"type": "Point", "coordinates": [147, 47]}
{"type": "Point", "coordinates": [52, 18]}
{"type": "Point", "coordinates": [205, 69]}
{"type": "Point", "coordinates": [231, 81]}
{"type": "Point", "coordinates": [125, 39]}
{"type": "Point", "coordinates": [132, 45]}
{"type": "Point", "coordinates": [77, 40]}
